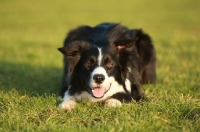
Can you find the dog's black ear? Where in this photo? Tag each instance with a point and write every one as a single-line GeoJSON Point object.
{"type": "Point", "coordinates": [72, 54]}
{"type": "Point", "coordinates": [125, 53]}
{"type": "Point", "coordinates": [69, 52]}
{"type": "Point", "coordinates": [73, 49]}
{"type": "Point", "coordinates": [125, 45]}
{"type": "Point", "coordinates": [62, 50]}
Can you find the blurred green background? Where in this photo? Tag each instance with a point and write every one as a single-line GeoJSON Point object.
{"type": "Point", "coordinates": [31, 66]}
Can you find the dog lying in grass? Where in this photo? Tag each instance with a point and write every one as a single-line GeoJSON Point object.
{"type": "Point", "coordinates": [108, 63]}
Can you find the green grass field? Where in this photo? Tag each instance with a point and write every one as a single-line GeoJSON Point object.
{"type": "Point", "coordinates": [31, 67]}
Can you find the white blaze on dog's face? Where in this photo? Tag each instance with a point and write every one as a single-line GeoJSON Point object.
{"type": "Point", "coordinates": [99, 82]}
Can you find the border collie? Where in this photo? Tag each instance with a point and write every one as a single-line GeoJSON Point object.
{"type": "Point", "coordinates": [106, 63]}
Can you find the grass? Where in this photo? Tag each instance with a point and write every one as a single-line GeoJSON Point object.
{"type": "Point", "coordinates": [31, 66]}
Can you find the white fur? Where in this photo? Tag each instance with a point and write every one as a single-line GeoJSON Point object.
{"type": "Point", "coordinates": [67, 105]}
{"type": "Point", "coordinates": [69, 102]}
{"type": "Point", "coordinates": [113, 103]}
{"type": "Point", "coordinates": [115, 87]}
{"type": "Point", "coordinates": [100, 57]}
{"type": "Point", "coordinates": [128, 85]}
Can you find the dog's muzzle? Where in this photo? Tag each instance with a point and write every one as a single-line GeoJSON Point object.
{"type": "Point", "coordinates": [99, 90]}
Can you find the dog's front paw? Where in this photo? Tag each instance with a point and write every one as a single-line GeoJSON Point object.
{"type": "Point", "coordinates": [113, 103]}
{"type": "Point", "coordinates": [67, 105]}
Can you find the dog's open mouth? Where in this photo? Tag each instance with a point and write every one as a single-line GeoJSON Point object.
{"type": "Point", "coordinates": [99, 92]}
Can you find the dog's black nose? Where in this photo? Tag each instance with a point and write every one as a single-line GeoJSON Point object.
{"type": "Point", "coordinates": [99, 78]}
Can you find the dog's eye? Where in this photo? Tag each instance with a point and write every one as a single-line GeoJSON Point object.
{"type": "Point", "coordinates": [88, 64]}
{"type": "Point", "coordinates": [109, 65]}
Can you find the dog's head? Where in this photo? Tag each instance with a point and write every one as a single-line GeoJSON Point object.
{"type": "Point", "coordinates": [97, 59]}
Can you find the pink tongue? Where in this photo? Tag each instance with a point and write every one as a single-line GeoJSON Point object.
{"type": "Point", "coordinates": [98, 92]}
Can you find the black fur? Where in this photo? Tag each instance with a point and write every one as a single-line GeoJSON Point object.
{"type": "Point", "coordinates": [127, 48]}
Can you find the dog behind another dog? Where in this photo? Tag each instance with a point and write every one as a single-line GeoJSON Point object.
{"type": "Point", "coordinates": [108, 63]}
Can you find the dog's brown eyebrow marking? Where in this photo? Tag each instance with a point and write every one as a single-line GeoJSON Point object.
{"type": "Point", "coordinates": [119, 48]}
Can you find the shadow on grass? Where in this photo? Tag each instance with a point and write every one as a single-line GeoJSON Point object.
{"type": "Point", "coordinates": [30, 80]}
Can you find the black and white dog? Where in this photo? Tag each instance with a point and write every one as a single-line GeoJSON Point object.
{"type": "Point", "coordinates": [107, 63]}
